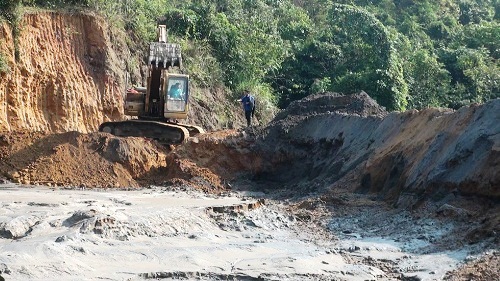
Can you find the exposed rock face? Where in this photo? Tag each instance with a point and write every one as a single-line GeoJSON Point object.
{"type": "Point", "coordinates": [67, 76]}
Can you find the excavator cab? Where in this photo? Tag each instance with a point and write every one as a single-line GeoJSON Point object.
{"type": "Point", "coordinates": [177, 96]}
{"type": "Point", "coordinates": [165, 98]}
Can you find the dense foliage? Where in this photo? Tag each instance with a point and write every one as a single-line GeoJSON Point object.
{"type": "Point", "coordinates": [404, 53]}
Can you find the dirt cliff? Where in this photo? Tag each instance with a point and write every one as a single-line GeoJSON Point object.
{"type": "Point", "coordinates": [68, 76]}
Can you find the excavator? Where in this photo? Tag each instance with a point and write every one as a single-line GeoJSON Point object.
{"type": "Point", "coordinates": [157, 108]}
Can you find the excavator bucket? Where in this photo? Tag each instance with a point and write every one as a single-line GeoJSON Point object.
{"type": "Point", "coordinates": [163, 54]}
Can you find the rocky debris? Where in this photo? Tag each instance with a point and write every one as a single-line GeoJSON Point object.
{"type": "Point", "coordinates": [92, 221]}
{"type": "Point", "coordinates": [237, 208]}
{"type": "Point", "coordinates": [4, 269]}
{"type": "Point", "coordinates": [18, 227]}
{"type": "Point", "coordinates": [79, 216]}
{"type": "Point", "coordinates": [483, 267]}
{"type": "Point", "coordinates": [185, 172]}
{"type": "Point", "coordinates": [61, 239]}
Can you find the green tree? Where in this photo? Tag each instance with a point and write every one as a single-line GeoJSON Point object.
{"type": "Point", "coordinates": [476, 36]}
{"type": "Point", "coordinates": [475, 75]}
{"type": "Point", "coordinates": [429, 82]}
{"type": "Point", "coordinates": [476, 11]}
{"type": "Point", "coordinates": [243, 34]}
{"type": "Point", "coordinates": [356, 52]}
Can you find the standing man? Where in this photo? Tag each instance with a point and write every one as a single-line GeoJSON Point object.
{"type": "Point", "coordinates": [248, 102]}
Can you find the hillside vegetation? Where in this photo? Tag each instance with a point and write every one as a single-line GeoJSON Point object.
{"type": "Point", "coordinates": [404, 53]}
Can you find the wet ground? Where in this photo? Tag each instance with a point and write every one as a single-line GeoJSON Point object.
{"type": "Point", "coordinates": [160, 232]}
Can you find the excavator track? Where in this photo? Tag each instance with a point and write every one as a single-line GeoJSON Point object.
{"type": "Point", "coordinates": [166, 133]}
{"type": "Point", "coordinates": [193, 130]}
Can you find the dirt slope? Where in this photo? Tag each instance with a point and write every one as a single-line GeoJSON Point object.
{"type": "Point", "coordinates": [68, 75]}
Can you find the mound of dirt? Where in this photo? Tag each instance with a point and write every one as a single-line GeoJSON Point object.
{"type": "Point", "coordinates": [97, 160]}
{"type": "Point", "coordinates": [78, 160]}
{"type": "Point", "coordinates": [356, 104]}
{"type": "Point", "coordinates": [484, 268]}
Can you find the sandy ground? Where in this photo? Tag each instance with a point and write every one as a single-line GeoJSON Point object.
{"type": "Point", "coordinates": [61, 234]}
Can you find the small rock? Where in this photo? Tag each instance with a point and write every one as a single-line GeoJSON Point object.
{"type": "Point", "coordinates": [353, 249]}
{"type": "Point", "coordinates": [4, 268]}
{"type": "Point", "coordinates": [61, 239]}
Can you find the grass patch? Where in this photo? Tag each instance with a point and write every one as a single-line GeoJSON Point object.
{"type": "Point", "coordinates": [4, 66]}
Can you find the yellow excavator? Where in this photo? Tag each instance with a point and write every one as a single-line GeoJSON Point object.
{"type": "Point", "coordinates": [164, 101]}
